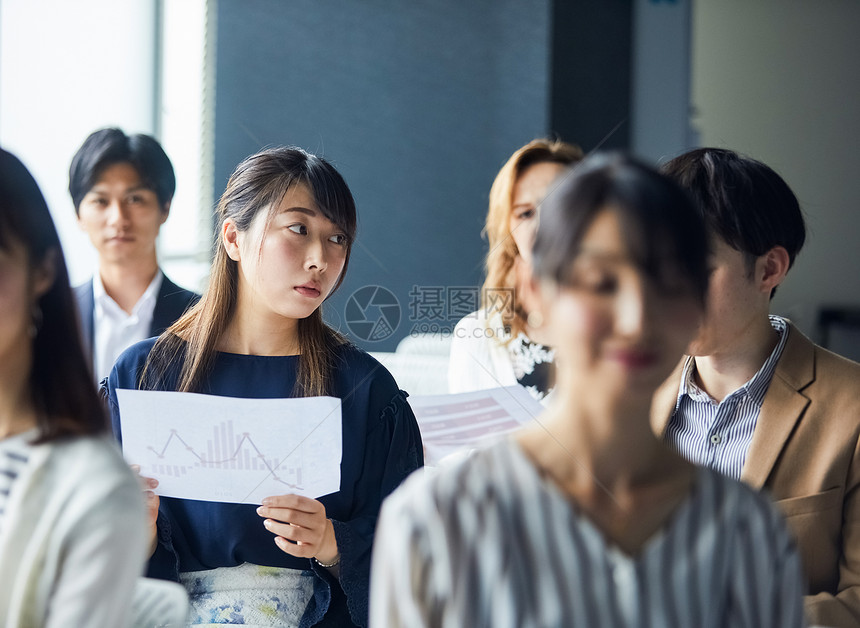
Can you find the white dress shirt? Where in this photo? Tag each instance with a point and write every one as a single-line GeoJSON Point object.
{"type": "Point", "coordinates": [114, 329]}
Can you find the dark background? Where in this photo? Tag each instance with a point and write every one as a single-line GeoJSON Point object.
{"type": "Point", "coordinates": [418, 105]}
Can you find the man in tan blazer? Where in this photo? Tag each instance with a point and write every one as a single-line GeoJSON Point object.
{"type": "Point", "coordinates": [758, 400]}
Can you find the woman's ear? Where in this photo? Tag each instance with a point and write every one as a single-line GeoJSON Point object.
{"type": "Point", "coordinates": [230, 239]}
{"type": "Point", "coordinates": [45, 273]}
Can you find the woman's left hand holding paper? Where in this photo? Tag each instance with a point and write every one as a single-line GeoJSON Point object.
{"type": "Point", "coordinates": [301, 527]}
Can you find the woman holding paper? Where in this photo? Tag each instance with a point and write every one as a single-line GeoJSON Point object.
{"type": "Point", "coordinates": [72, 534]}
{"type": "Point", "coordinates": [586, 518]}
{"type": "Point", "coordinates": [286, 226]}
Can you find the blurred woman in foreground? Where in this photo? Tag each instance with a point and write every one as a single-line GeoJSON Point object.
{"type": "Point", "coordinates": [72, 529]}
{"type": "Point", "coordinates": [585, 518]}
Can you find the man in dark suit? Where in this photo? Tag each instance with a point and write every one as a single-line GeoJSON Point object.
{"type": "Point", "coordinates": [122, 187]}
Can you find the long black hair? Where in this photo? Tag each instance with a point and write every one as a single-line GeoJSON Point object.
{"type": "Point", "coordinates": [257, 185]}
{"type": "Point", "coordinates": [61, 384]}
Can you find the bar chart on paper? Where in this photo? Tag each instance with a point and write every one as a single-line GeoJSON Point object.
{"type": "Point", "coordinates": [232, 450]}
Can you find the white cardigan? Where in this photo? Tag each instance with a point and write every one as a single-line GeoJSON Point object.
{"type": "Point", "coordinates": [479, 358]}
{"type": "Point", "coordinates": [73, 541]}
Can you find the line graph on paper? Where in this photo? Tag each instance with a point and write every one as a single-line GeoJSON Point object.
{"type": "Point", "coordinates": [226, 450]}
{"type": "Point", "coordinates": [232, 450]}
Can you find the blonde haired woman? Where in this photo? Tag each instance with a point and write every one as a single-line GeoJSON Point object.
{"type": "Point", "coordinates": [496, 346]}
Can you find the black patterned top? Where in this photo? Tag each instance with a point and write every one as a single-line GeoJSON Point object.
{"type": "Point", "coordinates": [533, 365]}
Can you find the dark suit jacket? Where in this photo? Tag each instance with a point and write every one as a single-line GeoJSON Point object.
{"type": "Point", "coordinates": [170, 304]}
{"type": "Point", "coordinates": [805, 452]}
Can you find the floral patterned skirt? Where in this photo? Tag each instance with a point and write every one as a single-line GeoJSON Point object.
{"type": "Point", "coordinates": [248, 595]}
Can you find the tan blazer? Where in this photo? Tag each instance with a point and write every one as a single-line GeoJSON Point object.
{"type": "Point", "coordinates": [805, 451]}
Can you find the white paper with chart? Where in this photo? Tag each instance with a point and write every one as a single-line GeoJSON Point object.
{"type": "Point", "coordinates": [228, 449]}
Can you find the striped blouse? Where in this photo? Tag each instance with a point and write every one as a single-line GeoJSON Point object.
{"type": "Point", "coordinates": [490, 543]}
{"type": "Point", "coordinates": [14, 454]}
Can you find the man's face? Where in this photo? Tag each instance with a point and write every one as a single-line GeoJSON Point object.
{"type": "Point", "coordinates": [735, 305]}
{"type": "Point", "coordinates": [121, 217]}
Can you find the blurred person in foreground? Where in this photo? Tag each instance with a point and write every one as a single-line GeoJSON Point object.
{"type": "Point", "coordinates": [585, 518]}
{"type": "Point", "coordinates": [72, 520]}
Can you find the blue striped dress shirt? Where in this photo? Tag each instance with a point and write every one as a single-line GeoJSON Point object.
{"type": "Point", "coordinates": [718, 435]}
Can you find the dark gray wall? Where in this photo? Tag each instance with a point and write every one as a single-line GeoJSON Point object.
{"type": "Point", "coordinates": [417, 104]}
{"type": "Point", "coordinates": [590, 80]}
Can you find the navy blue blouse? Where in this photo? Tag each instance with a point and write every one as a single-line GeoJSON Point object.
{"type": "Point", "coordinates": [381, 446]}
